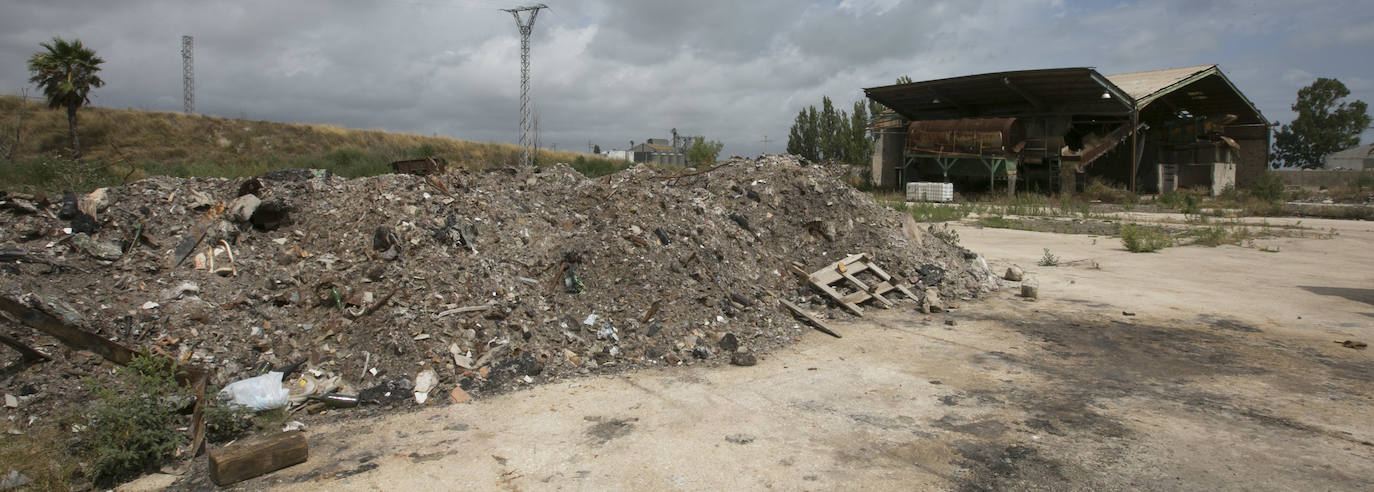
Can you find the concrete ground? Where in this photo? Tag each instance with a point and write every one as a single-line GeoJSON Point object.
{"type": "Point", "coordinates": [1223, 375]}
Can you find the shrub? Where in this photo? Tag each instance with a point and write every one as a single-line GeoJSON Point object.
{"type": "Point", "coordinates": [595, 167]}
{"type": "Point", "coordinates": [1049, 259]}
{"type": "Point", "coordinates": [1100, 190]}
{"type": "Point", "coordinates": [1143, 239]}
{"type": "Point", "coordinates": [133, 420]}
{"type": "Point", "coordinates": [225, 422]}
{"type": "Point", "coordinates": [946, 234]}
{"type": "Point", "coordinates": [1212, 236]}
{"type": "Point", "coordinates": [1269, 187]}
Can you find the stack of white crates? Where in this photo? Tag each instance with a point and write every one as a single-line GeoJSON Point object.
{"type": "Point", "coordinates": [929, 192]}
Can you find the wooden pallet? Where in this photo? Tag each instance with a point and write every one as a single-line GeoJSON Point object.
{"type": "Point", "coordinates": [846, 270]}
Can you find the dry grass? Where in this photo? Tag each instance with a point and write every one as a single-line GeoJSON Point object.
{"type": "Point", "coordinates": [141, 143]}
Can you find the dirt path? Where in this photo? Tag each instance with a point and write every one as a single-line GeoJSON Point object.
{"type": "Point", "coordinates": [1225, 377]}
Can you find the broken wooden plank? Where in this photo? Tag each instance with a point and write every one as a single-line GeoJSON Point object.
{"type": "Point", "coordinates": [653, 308]}
{"type": "Point", "coordinates": [242, 461]}
{"type": "Point", "coordinates": [26, 353]}
{"type": "Point", "coordinates": [461, 310]}
{"type": "Point", "coordinates": [853, 308]}
{"type": "Point", "coordinates": [29, 312]}
{"type": "Point", "coordinates": [816, 323]}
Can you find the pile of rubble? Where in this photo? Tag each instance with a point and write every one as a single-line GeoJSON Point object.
{"type": "Point", "coordinates": [479, 280]}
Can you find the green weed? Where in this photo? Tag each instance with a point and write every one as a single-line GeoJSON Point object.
{"type": "Point", "coordinates": [1143, 239]}
{"type": "Point", "coordinates": [1049, 259]}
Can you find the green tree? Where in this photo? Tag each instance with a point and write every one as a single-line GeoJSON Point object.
{"type": "Point", "coordinates": [66, 72]}
{"type": "Point", "coordinates": [905, 79]}
{"type": "Point", "coordinates": [1325, 124]}
{"type": "Point", "coordinates": [831, 134]}
{"type": "Point", "coordinates": [860, 143]}
{"type": "Point", "coordinates": [596, 149]}
{"type": "Point", "coordinates": [704, 151]}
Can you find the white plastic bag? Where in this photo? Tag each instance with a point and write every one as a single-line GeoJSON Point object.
{"type": "Point", "coordinates": [258, 393]}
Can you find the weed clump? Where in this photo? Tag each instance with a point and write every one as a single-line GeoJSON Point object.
{"type": "Point", "coordinates": [132, 423]}
{"type": "Point", "coordinates": [1049, 259]}
{"type": "Point", "coordinates": [1144, 239]}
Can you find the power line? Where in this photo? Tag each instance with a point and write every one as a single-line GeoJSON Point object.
{"type": "Point", "coordinates": [188, 75]}
{"type": "Point", "coordinates": [526, 27]}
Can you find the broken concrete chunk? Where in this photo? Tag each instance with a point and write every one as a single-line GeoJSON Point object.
{"type": "Point", "coordinates": [198, 200]}
{"type": "Point", "coordinates": [99, 250]}
{"type": "Point", "coordinates": [242, 208]}
{"type": "Point", "coordinates": [95, 202]}
{"type": "Point", "coordinates": [458, 395]}
{"type": "Point", "coordinates": [729, 342]}
{"type": "Point", "coordinates": [180, 290]}
{"type": "Point", "coordinates": [744, 359]}
{"type": "Point", "coordinates": [424, 381]}
{"type": "Point", "coordinates": [930, 302]}
{"type": "Point", "coordinates": [272, 214]}
{"type": "Point", "coordinates": [1030, 289]}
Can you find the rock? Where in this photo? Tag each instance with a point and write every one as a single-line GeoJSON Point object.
{"type": "Point", "coordinates": [182, 289]}
{"type": "Point", "coordinates": [94, 202]}
{"type": "Point", "coordinates": [271, 214]}
{"type": "Point", "coordinates": [14, 480]}
{"type": "Point", "coordinates": [99, 250]}
{"type": "Point", "coordinates": [1030, 289]}
{"type": "Point", "coordinates": [739, 438]}
{"type": "Point", "coordinates": [701, 352]}
{"type": "Point", "coordinates": [729, 342]}
{"type": "Point", "coordinates": [196, 200]}
{"type": "Point", "coordinates": [930, 302]}
{"type": "Point", "coordinates": [242, 208]}
{"type": "Point", "coordinates": [458, 395]}
{"type": "Point", "coordinates": [744, 359]}
{"type": "Point", "coordinates": [950, 322]}
{"type": "Point", "coordinates": [69, 208]}
{"type": "Point", "coordinates": [82, 223]}
{"type": "Point", "coordinates": [1014, 274]}
{"type": "Point", "coordinates": [11, 401]}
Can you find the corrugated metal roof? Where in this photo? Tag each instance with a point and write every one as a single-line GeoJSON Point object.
{"type": "Point", "coordinates": [1142, 85]}
{"type": "Point", "coordinates": [1069, 91]}
{"type": "Point", "coordinates": [1062, 90]}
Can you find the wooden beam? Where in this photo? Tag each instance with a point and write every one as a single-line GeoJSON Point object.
{"type": "Point", "coordinates": [959, 107]}
{"type": "Point", "coordinates": [36, 318]}
{"type": "Point", "coordinates": [1034, 101]}
{"type": "Point", "coordinates": [245, 460]}
{"type": "Point", "coordinates": [818, 324]}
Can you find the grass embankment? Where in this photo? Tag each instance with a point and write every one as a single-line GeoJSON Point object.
{"type": "Point", "coordinates": [121, 145]}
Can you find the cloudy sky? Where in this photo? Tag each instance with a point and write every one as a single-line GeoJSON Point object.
{"type": "Point", "coordinates": [610, 72]}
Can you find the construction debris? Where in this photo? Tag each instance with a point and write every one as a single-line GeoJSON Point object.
{"type": "Point", "coordinates": [485, 276]}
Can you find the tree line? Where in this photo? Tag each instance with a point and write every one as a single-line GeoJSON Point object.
{"type": "Point", "coordinates": [832, 135]}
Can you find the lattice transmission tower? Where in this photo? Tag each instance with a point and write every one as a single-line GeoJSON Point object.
{"type": "Point", "coordinates": [526, 27]}
{"type": "Point", "coordinates": [188, 75]}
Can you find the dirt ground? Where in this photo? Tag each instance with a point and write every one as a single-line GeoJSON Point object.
{"type": "Point", "coordinates": [1223, 375]}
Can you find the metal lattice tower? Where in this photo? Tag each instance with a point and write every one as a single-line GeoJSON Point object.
{"type": "Point", "coordinates": [526, 27]}
{"type": "Point", "coordinates": [188, 75]}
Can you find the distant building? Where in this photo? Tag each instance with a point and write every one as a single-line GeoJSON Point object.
{"type": "Point", "coordinates": [1355, 159]}
{"type": "Point", "coordinates": [616, 155]}
{"type": "Point", "coordinates": [658, 151]}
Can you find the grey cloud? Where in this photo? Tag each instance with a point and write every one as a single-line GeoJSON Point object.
{"type": "Point", "coordinates": [615, 71]}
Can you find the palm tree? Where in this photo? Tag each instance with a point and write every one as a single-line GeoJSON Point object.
{"type": "Point", "coordinates": [66, 72]}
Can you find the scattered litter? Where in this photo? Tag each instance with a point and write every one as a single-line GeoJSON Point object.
{"type": "Point", "coordinates": [258, 393]}
{"type": "Point", "coordinates": [424, 381]}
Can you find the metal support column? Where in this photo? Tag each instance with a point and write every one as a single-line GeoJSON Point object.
{"type": "Point", "coordinates": [1135, 158]}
